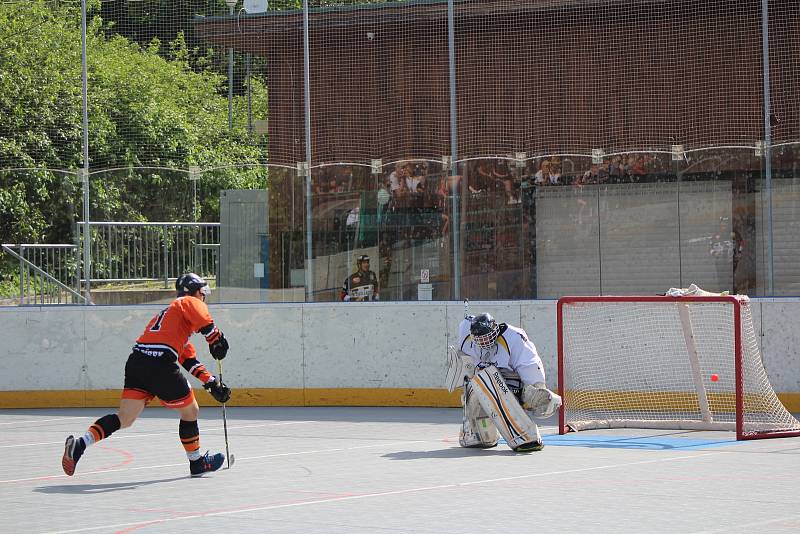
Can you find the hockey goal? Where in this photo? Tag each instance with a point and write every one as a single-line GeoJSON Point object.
{"type": "Point", "coordinates": [665, 362]}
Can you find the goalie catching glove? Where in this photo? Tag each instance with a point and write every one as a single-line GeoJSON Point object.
{"type": "Point", "coordinates": [218, 390]}
{"type": "Point", "coordinates": [539, 400]}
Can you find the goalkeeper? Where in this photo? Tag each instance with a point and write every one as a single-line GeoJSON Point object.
{"type": "Point", "coordinates": [152, 371]}
{"type": "Point", "coordinates": [484, 346]}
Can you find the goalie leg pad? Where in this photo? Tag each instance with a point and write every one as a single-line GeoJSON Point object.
{"type": "Point", "coordinates": [477, 429]}
{"type": "Point", "coordinates": [499, 402]}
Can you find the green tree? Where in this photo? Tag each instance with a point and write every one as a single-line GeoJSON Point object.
{"type": "Point", "coordinates": [144, 111]}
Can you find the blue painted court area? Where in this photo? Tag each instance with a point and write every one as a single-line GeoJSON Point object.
{"type": "Point", "coordinates": [656, 442]}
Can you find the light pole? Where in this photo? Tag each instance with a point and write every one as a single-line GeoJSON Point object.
{"type": "Point", "coordinates": [231, 6]}
{"type": "Point", "coordinates": [87, 243]}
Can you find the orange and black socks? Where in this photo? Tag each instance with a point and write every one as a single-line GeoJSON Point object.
{"type": "Point", "coordinates": [101, 429]}
{"type": "Point", "coordinates": [190, 438]}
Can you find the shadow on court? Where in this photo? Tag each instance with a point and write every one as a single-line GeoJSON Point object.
{"type": "Point", "coordinates": [452, 452]}
{"type": "Point", "coordinates": [104, 488]}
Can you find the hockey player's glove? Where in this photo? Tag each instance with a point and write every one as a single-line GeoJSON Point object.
{"type": "Point", "coordinates": [219, 348]}
{"type": "Point", "coordinates": [218, 390]}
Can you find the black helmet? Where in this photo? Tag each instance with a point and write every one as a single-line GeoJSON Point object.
{"type": "Point", "coordinates": [363, 257]}
{"type": "Point", "coordinates": [188, 283]}
{"type": "Point", "coordinates": [484, 330]}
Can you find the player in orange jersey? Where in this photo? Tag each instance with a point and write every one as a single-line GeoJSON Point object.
{"type": "Point", "coordinates": [152, 371]}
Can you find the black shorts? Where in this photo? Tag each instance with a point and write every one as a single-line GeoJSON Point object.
{"type": "Point", "coordinates": [152, 376]}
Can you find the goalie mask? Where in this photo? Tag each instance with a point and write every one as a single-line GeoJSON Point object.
{"type": "Point", "coordinates": [484, 330]}
{"type": "Point", "coordinates": [188, 283]}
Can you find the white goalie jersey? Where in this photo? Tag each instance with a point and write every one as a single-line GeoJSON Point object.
{"type": "Point", "coordinates": [514, 351]}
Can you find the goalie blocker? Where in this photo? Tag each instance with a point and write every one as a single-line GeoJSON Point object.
{"type": "Point", "coordinates": [496, 401]}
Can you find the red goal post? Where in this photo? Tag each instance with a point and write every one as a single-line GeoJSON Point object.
{"type": "Point", "coordinates": [690, 362]}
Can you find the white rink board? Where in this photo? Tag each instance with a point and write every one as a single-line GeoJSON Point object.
{"type": "Point", "coordinates": [266, 345]}
{"type": "Point", "coordinates": [109, 341]}
{"type": "Point", "coordinates": [388, 345]}
{"type": "Point", "coordinates": [538, 319]}
{"type": "Point", "coordinates": [780, 343]}
{"type": "Point", "coordinates": [318, 345]}
{"type": "Point", "coordinates": [43, 348]}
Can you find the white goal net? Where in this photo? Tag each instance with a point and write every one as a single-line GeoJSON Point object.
{"type": "Point", "coordinates": [665, 362]}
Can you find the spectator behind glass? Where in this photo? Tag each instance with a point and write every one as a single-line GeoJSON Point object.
{"type": "Point", "coordinates": [382, 197]}
{"type": "Point", "coordinates": [615, 170]}
{"type": "Point", "coordinates": [415, 178]}
{"type": "Point", "coordinates": [320, 179]}
{"type": "Point", "coordinates": [482, 178]}
{"type": "Point", "coordinates": [604, 170]}
{"type": "Point", "coordinates": [592, 176]}
{"type": "Point", "coordinates": [334, 185]}
{"type": "Point", "coordinates": [448, 188]}
{"type": "Point", "coordinates": [397, 180]}
{"type": "Point", "coordinates": [554, 177]}
{"type": "Point", "coordinates": [542, 176]}
{"type": "Point", "coordinates": [503, 176]}
{"type": "Point", "coordinates": [634, 168]}
{"type": "Point", "coordinates": [345, 178]}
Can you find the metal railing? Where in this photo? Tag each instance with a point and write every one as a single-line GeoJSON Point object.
{"type": "Point", "coordinates": [61, 261]}
{"type": "Point", "coordinates": [148, 251]}
{"type": "Point", "coordinates": [36, 286]}
{"type": "Point", "coordinates": [121, 253]}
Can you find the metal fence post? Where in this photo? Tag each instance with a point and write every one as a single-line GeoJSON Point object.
{"type": "Point", "coordinates": [456, 225]}
{"type": "Point", "coordinates": [309, 271]}
{"type": "Point", "coordinates": [165, 266]}
{"type": "Point", "coordinates": [87, 255]}
{"type": "Point", "coordinates": [21, 281]}
{"type": "Point", "coordinates": [767, 203]}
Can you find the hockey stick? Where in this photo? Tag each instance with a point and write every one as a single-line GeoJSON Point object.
{"type": "Point", "coordinates": [228, 455]}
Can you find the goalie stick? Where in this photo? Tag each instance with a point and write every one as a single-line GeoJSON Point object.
{"type": "Point", "coordinates": [228, 455]}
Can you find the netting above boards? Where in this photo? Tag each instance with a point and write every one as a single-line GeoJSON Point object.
{"type": "Point", "coordinates": [569, 76]}
{"type": "Point", "coordinates": [180, 84]}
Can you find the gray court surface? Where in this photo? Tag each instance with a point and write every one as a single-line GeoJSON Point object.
{"type": "Point", "coordinates": [388, 470]}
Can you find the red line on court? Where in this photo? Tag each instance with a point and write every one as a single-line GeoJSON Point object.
{"type": "Point", "coordinates": [128, 458]}
{"type": "Point", "coordinates": [223, 510]}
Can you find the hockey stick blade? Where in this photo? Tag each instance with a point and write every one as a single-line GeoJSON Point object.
{"type": "Point", "coordinates": [231, 459]}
